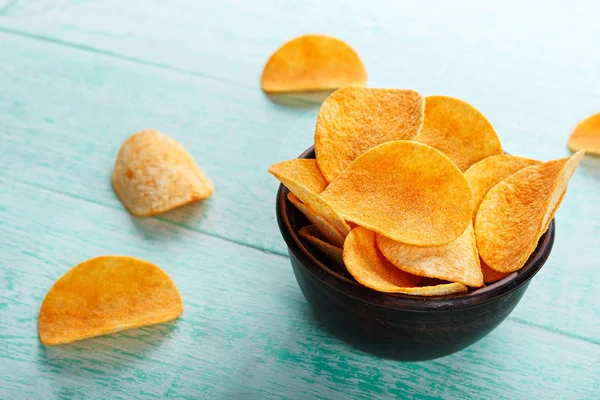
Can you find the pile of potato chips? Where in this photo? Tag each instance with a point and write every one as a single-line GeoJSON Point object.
{"type": "Point", "coordinates": [415, 195]}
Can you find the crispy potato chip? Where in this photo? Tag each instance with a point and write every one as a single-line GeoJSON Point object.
{"type": "Point", "coordinates": [353, 120]}
{"type": "Point", "coordinates": [483, 175]}
{"type": "Point", "coordinates": [315, 238]}
{"type": "Point", "coordinates": [516, 212]}
{"type": "Point", "coordinates": [154, 173]}
{"type": "Point", "coordinates": [313, 63]}
{"type": "Point", "coordinates": [456, 261]}
{"type": "Point", "coordinates": [491, 276]}
{"type": "Point", "coordinates": [437, 290]}
{"type": "Point", "coordinates": [304, 171]}
{"type": "Point", "coordinates": [458, 130]}
{"type": "Point", "coordinates": [104, 295]}
{"type": "Point", "coordinates": [328, 231]}
{"type": "Point", "coordinates": [406, 191]}
{"type": "Point", "coordinates": [287, 172]}
{"type": "Point", "coordinates": [369, 267]}
{"type": "Point", "coordinates": [586, 136]}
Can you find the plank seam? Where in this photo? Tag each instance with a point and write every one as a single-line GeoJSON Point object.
{"type": "Point", "coordinates": [122, 57]}
{"type": "Point", "coordinates": [158, 218]}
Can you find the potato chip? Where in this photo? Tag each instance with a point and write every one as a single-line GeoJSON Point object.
{"type": "Point", "coordinates": [313, 63]}
{"type": "Point", "coordinates": [458, 130]}
{"type": "Point", "coordinates": [328, 231]}
{"type": "Point", "coordinates": [369, 267]}
{"type": "Point", "coordinates": [304, 171]}
{"type": "Point", "coordinates": [287, 172]}
{"type": "Point", "coordinates": [516, 212]}
{"type": "Point", "coordinates": [104, 295]}
{"type": "Point", "coordinates": [154, 173]}
{"type": "Point", "coordinates": [456, 261]}
{"type": "Point", "coordinates": [491, 276]}
{"type": "Point", "coordinates": [317, 240]}
{"type": "Point", "coordinates": [406, 191]}
{"type": "Point", "coordinates": [586, 136]}
{"type": "Point", "coordinates": [483, 175]}
{"type": "Point", "coordinates": [353, 120]}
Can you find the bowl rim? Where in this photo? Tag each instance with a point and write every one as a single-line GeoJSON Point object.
{"type": "Point", "coordinates": [312, 262]}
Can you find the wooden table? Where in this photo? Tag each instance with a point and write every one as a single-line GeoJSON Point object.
{"type": "Point", "coordinates": [78, 77]}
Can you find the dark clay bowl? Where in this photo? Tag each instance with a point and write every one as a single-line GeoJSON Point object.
{"type": "Point", "coordinates": [395, 325]}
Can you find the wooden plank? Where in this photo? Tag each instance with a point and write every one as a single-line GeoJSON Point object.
{"type": "Point", "coordinates": [66, 137]}
{"type": "Point", "coordinates": [246, 330]}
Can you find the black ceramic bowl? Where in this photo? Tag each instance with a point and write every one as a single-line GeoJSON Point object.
{"type": "Point", "coordinates": [396, 325]}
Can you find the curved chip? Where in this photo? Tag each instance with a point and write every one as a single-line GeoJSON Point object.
{"type": "Point", "coordinates": [483, 175]}
{"type": "Point", "coordinates": [303, 171]}
{"type": "Point", "coordinates": [287, 172]}
{"type": "Point", "coordinates": [328, 231]}
{"type": "Point", "coordinates": [406, 191]}
{"type": "Point", "coordinates": [154, 173]}
{"type": "Point", "coordinates": [353, 120]}
{"type": "Point", "coordinates": [369, 267]}
{"type": "Point", "coordinates": [458, 130]}
{"type": "Point", "coordinates": [516, 212]}
{"type": "Point", "coordinates": [315, 238]}
{"type": "Point", "coordinates": [313, 63]}
{"type": "Point", "coordinates": [104, 295]}
{"type": "Point", "coordinates": [586, 136]}
{"type": "Point", "coordinates": [456, 261]}
{"type": "Point", "coordinates": [491, 276]}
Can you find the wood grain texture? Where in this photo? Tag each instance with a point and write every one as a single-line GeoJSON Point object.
{"type": "Point", "coordinates": [82, 114]}
{"type": "Point", "coordinates": [77, 77]}
{"type": "Point", "coordinates": [252, 338]}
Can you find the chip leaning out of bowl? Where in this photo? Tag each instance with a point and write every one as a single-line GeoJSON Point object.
{"type": "Point", "coordinates": [439, 200]}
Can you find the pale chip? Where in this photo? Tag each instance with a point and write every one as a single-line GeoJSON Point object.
{"type": "Point", "coordinates": [104, 295]}
{"type": "Point", "coordinates": [328, 231]}
{"type": "Point", "coordinates": [313, 63]}
{"type": "Point", "coordinates": [316, 239]}
{"type": "Point", "coordinates": [154, 173]}
{"type": "Point", "coordinates": [517, 211]}
{"type": "Point", "coordinates": [485, 174]}
{"type": "Point", "coordinates": [287, 173]}
{"type": "Point", "coordinates": [456, 261]}
{"type": "Point", "coordinates": [353, 120]}
{"type": "Point", "coordinates": [458, 130]}
{"type": "Point", "coordinates": [406, 191]}
{"type": "Point", "coordinates": [586, 136]}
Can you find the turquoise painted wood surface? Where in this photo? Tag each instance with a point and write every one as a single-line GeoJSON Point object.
{"type": "Point", "coordinates": [77, 77]}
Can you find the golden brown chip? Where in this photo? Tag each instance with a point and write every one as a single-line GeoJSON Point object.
{"type": "Point", "coordinates": [456, 261]}
{"type": "Point", "coordinates": [104, 295]}
{"type": "Point", "coordinates": [458, 130]}
{"type": "Point", "coordinates": [406, 191]}
{"type": "Point", "coordinates": [304, 171]}
{"type": "Point", "coordinates": [483, 175]}
{"type": "Point", "coordinates": [328, 231]}
{"type": "Point", "coordinates": [304, 189]}
{"type": "Point", "coordinates": [353, 120]}
{"type": "Point", "coordinates": [516, 212]}
{"type": "Point", "coordinates": [313, 63]}
{"type": "Point", "coordinates": [315, 238]}
{"type": "Point", "coordinates": [369, 267]}
{"type": "Point", "coordinates": [586, 136]}
{"type": "Point", "coordinates": [154, 173]}
{"type": "Point", "coordinates": [437, 290]}
{"type": "Point", "coordinates": [491, 276]}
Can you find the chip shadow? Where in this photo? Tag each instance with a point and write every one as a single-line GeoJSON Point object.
{"type": "Point", "coordinates": [104, 355]}
{"type": "Point", "coordinates": [302, 100]}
